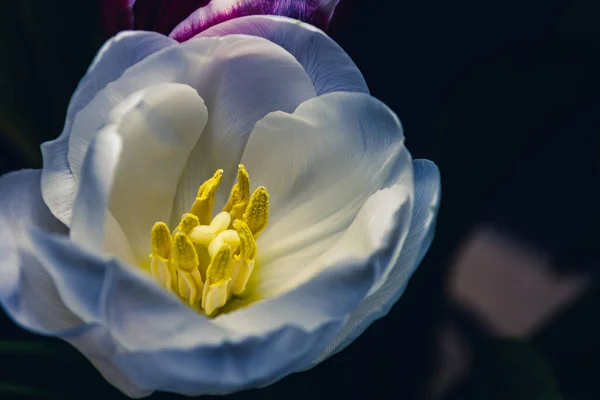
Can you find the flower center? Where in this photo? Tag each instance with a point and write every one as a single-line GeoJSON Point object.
{"type": "Point", "coordinates": [207, 260]}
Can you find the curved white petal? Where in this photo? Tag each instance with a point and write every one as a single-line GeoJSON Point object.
{"type": "Point", "coordinates": [161, 344]}
{"type": "Point", "coordinates": [118, 54]}
{"type": "Point", "coordinates": [326, 63]}
{"type": "Point", "coordinates": [245, 79]}
{"type": "Point", "coordinates": [159, 126]}
{"type": "Point", "coordinates": [320, 165]}
{"type": "Point", "coordinates": [420, 236]}
{"type": "Point", "coordinates": [97, 179]}
{"type": "Point", "coordinates": [27, 293]}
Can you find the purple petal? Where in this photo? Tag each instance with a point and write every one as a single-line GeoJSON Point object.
{"type": "Point", "coordinates": [315, 12]}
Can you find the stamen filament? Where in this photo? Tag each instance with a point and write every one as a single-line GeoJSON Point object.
{"type": "Point", "coordinates": [205, 199]}
{"type": "Point", "coordinates": [240, 195]}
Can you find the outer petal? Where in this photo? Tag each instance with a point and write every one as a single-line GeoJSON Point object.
{"type": "Point", "coordinates": [326, 63]}
{"type": "Point", "coordinates": [26, 291]}
{"type": "Point", "coordinates": [320, 164]}
{"type": "Point", "coordinates": [97, 180]}
{"type": "Point", "coordinates": [118, 54]}
{"type": "Point", "coordinates": [315, 12]}
{"type": "Point", "coordinates": [420, 236]}
{"type": "Point", "coordinates": [160, 343]}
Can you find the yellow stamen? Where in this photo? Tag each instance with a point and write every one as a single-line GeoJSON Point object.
{"type": "Point", "coordinates": [161, 247]}
{"type": "Point", "coordinates": [222, 250]}
{"type": "Point", "coordinates": [188, 222]}
{"type": "Point", "coordinates": [161, 240]}
{"type": "Point", "coordinates": [183, 253]}
{"type": "Point", "coordinates": [257, 213]}
{"type": "Point", "coordinates": [240, 195]}
{"type": "Point", "coordinates": [205, 199]}
{"type": "Point", "coordinates": [245, 260]}
{"type": "Point", "coordinates": [189, 285]}
{"type": "Point", "coordinates": [220, 266]}
{"type": "Point", "coordinates": [248, 246]}
{"type": "Point", "coordinates": [215, 296]}
{"type": "Point", "coordinates": [218, 276]}
{"type": "Point", "coordinates": [160, 270]}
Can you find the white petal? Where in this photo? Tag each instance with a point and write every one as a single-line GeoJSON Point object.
{"type": "Point", "coordinates": [118, 54]}
{"type": "Point", "coordinates": [159, 126]}
{"type": "Point", "coordinates": [320, 165]}
{"type": "Point", "coordinates": [247, 78]}
{"type": "Point", "coordinates": [332, 285]}
{"type": "Point", "coordinates": [161, 344]}
{"type": "Point", "coordinates": [420, 236]}
{"type": "Point", "coordinates": [326, 63]}
{"type": "Point", "coordinates": [27, 292]}
{"type": "Point", "coordinates": [97, 178]}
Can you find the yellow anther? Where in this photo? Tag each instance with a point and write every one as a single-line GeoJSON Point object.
{"type": "Point", "coordinates": [221, 221]}
{"type": "Point", "coordinates": [245, 260]}
{"type": "Point", "coordinates": [205, 199]}
{"type": "Point", "coordinates": [229, 237]}
{"type": "Point", "coordinates": [188, 222]}
{"type": "Point", "coordinates": [161, 240]}
{"type": "Point", "coordinates": [240, 194]}
{"type": "Point", "coordinates": [248, 246]}
{"type": "Point", "coordinates": [218, 276]}
{"type": "Point", "coordinates": [257, 213]}
{"type": "Point", "coordinates": [183, 253]}
{"type": "Point", "coordinates": [220, 266]}
{"type": "Point", "coordinates": [202, 234]}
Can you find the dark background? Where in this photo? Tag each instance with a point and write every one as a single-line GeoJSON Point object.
{"type": "Point", "coordinates": [503, 96]}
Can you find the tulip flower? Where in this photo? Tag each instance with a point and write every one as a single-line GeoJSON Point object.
{"type": "Point", "coordinates": [218, 213]}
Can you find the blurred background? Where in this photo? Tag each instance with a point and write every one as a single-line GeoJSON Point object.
{"type": "Point", "coordinates": [504, 97]}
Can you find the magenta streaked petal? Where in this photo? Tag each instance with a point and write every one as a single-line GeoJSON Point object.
{"type": "Point", "coordinates": [315, 12]}
{"type": "Point", "coordinates": [117, 15]}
